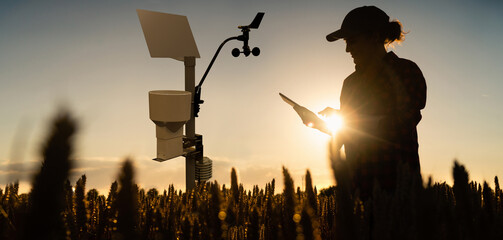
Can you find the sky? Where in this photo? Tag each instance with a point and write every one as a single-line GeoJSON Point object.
{"type": "Point", "coordinates": [91, 57]}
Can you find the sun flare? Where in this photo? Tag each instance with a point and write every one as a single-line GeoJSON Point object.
{"type": "Point", "coordinates": [334, 123]}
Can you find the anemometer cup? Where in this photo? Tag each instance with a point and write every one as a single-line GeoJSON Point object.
{"type": "Point", "coordinates": [235, 52]}
{"type": "Point", "coordinates": [255, 52]}
{"type": "Point", "coordinates": [169, 110]}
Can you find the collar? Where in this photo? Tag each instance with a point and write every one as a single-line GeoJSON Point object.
{"type": "Point", "coordinates": [390, 57]}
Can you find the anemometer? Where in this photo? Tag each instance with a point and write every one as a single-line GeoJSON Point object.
{"type": "Point", "coordinates": [244, 37]}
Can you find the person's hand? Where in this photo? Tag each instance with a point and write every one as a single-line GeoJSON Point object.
{"type": "Point", "coordinates": [328, 111]}
{"type": "Point", "coordinates": [308, 117]}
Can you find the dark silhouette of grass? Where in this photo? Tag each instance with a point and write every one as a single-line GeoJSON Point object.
{"type": "Point", "coordinates": [127, 204]}
{"type": "Point", "coordinates": [289, 204]}
{"type": "Point", "coordinates": [47, 197]}
{"type": "Point", "coordinates": [80, 206]}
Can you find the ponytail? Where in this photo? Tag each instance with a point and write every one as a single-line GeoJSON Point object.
{"type": "Point", "coordinates": [392, 32]}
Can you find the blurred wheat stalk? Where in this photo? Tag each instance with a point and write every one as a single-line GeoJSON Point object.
{"type": "Point", "coordinates": [417, 210]}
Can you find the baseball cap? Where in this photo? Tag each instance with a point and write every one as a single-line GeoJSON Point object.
{"type": "Point", "coordinates": [366, 19]}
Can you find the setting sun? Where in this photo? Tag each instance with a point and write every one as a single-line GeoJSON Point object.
{"type": "Point", "coordinates": [334, 123]}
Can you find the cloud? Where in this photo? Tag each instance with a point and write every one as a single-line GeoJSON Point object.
{"type": "Point", "coordinates": [16, 171]}
{"type": "Point", "coordinates": [100, 172]}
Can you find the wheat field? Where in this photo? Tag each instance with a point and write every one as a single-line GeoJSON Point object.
{"type": "Point", "coordinates": [58, 209]}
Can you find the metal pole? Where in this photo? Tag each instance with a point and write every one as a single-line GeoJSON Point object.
{"type": "Point", "coordinates": [190, 127]}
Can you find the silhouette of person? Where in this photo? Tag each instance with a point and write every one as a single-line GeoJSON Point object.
{"type": "Point", "coordinates": [380, 101]}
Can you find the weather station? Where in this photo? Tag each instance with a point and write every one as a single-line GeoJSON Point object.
{"type": "Point", "coordinates": [169, 36]}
